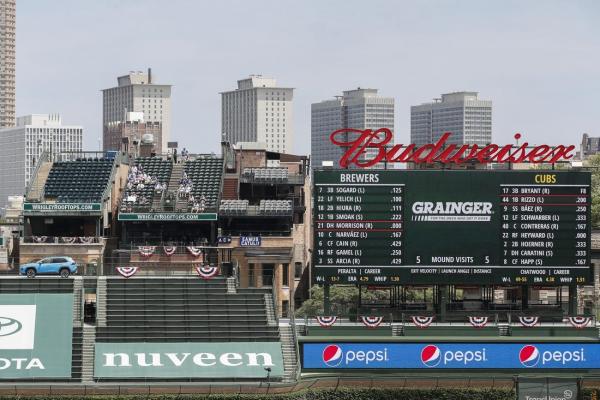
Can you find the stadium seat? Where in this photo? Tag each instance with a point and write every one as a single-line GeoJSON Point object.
{"type": "Point", "coordinates": [206, 175]}
{"type": "Point", "coordinates": [183, 310]}
{"type": "Point", "coordinates": [80, 181]}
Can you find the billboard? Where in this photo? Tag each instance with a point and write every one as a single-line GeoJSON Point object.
{"type": "Point", "coordinates": [382, 227]}
{"type": "Point", "coordinates": [62, 208]}
{"type": "Point", "coordinates": [526, 356]}
{"type": "Point", "coordinates": [164, 217]}
{"type": "Point", "coordinates": [547, 388]}
{"type": "Point", "coordinates": [188, 360]}
{"type": "Point", "coordinates": [36, 332]}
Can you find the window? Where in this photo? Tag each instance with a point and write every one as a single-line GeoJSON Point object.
{"type": "Point", "coordinates": [297, 270]}
{"type": "Point", "coordinates": [285, 305]}
{"type": "Point", "coordinates": [285, 272]}
{"type": "Point", "coordinates": [250, 275]}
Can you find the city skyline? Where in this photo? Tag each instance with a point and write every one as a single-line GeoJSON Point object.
{"type": "Point", "coordinates": [540, 79]}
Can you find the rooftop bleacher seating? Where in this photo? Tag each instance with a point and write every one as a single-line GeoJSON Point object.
{"type": "Point", "coordinates": [46, 285]}
{"type": "Point", "coordinates": [183, 309]}
{"type": "Point", "coordinates": [154, 167]}
{"type": "Point", "coordinates": [80, 181]}
{"type": "Point", "coordinates": [266, 175]}
{"type": "Point", "coordinates": [205, 174]}
{"type": "Point", "coordinates": [275, 207]}
{"type": "Point", "coordinates": [233, 207]}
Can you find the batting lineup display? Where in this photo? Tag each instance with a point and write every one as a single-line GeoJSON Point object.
{"type": "Point", "coordinates": [436, 227]}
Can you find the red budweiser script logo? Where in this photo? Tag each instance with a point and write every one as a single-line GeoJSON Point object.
{"type": "Point", "coordinates": [360, 145]}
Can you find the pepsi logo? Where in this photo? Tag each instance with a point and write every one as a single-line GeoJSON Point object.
{"type": "Point", "coordinates": [529, 356]}
{"type": "Point", "coordinates": [431, 356]}
{"type": "Point", "coordinates": [332, 355]}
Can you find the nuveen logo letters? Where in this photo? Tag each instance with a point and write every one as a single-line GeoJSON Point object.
{"type": "Point", "coordinates": [17, 327]}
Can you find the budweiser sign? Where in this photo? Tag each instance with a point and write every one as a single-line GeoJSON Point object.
{"type": "Point", "coordinates": [365, 148]}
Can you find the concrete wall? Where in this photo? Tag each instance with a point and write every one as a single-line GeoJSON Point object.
{"type": "Point", "coordinates": [81, 253]}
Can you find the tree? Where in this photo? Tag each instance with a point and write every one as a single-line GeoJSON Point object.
{"type": "Point", "coordinates": [344, 300]}
{"type": "Point", "coordinates": [594, 163]}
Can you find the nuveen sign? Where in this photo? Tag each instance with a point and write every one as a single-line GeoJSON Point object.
{"type": "Point", "coordinates": [188, 360]}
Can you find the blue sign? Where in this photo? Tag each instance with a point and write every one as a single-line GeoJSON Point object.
{"type": "Point", "coordinates": [224, 239]}
{"type": "Point", "coordinates": [250, 241]}
{"type": "Point", "coordinates": [451, 355]}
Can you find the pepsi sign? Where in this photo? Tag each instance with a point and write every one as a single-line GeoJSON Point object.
{"type": "Point", "coordinates": [451, 355]}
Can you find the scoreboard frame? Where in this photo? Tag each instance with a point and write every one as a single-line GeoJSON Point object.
{"type": "Point", "coordinates": [449, 211]}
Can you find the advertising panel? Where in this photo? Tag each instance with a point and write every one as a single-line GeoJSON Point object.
{"type": "Point", "coordinates": [36, 332]}
{"type": "Point", "coordinates": [188, 360]}
{"type": "Point", "coordinates": [451, 355]}
{"type": "Point", "coordinates": [548, 388]}
{"type": "Point", "coordinates": [377, 227]}
{"type": "Point", "coordinates": [163, 217]}
{"type": "Point", "coordinates": [250, 241]}
{"type": "Point", "coordinates": [61, 208]}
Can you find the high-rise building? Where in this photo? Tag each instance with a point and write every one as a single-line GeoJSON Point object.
{"type": "Point", "coordinates": [357, 109]}
{"type": "Point", "coordinates": [22, 146]}
{"type": "Point", "coordinates": [7, 63]}
{"type": "Point", "coordinates": [136, 92]}
{"type": "Point", "coordinates": [134, 128]}
{"type": "Point", "coordinates": [589, 146]}
{"type": "Point", "coordinates": [258, 111]}
{"type": "Point", "coordinates": [461, 113]}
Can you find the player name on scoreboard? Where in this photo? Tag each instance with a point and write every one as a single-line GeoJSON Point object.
{"type": "Point", "coordinates": [423, 227]}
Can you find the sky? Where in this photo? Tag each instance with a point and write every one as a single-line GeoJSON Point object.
{"type": "Point", "coordinates": [538, 61]}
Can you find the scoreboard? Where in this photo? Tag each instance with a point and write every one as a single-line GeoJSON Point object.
{"type": "Point", "coordinates": [403, 227]}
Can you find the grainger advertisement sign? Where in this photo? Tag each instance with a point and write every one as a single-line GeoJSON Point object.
{"type": "Point", "coordinates": [36, 332]}
{"type": "Point", "coordinates": [188, 360]}
{"type": "Point", "coordinates": [377, 227]}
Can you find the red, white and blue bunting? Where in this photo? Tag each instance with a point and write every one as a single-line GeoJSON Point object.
{"type": "Point", "coordinates": [169, 250]}
{"type": "Point", "coordinates": [195, 251]}
{"type": "Point", "coordinates": [86, 239]}
{"type": "Point", "coordinates": [422, 321]}
{"type": "Point", "coordinates": [127, 272]}
{"type": "Point", "coordinates": [529, 321]}
{"type": "Point", "coordinates": [580, 322]}
{"type": "Point", "coordinates": [326, 321]}
{"type": "Point", "coordinates": [478, 322]}
{"type": "Point", "coordinates": [146, 251]}
{"type": "Point", "coordinates": [371, 322]}
{"type": "Point", "coordinates": [207, 272]}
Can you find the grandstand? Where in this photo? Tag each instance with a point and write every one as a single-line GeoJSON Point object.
{"type": "Point", "coordinates": [143, 195]}
{"type": "Point", "coordinates": [69, 206]}
{"type": "Point", "coordinates": [80, 181]}
{"type": "Point", "coordinates": [206, 174]}
{"type": "Point", "coordinates": [183, 309]}
{"type": "Point", "coordinates": [171, 310]}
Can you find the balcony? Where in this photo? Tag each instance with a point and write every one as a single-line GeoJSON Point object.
{"type": "Point", "coordinates": [83, 250]}
{"type": "Point", "coordinates": [271, 176]}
